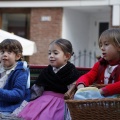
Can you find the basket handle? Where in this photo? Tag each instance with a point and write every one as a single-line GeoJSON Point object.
{"type": "Point", "coordinates": [69, 94]}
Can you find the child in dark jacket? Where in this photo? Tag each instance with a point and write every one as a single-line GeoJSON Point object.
{"type": "Point", "coordinates": [55, 79]}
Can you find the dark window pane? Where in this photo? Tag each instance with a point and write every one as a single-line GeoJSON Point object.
{"type": "Point", "coordinates": [102, 27]}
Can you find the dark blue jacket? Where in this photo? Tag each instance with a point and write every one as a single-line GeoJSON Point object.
{"type": "Point", "coordinates": [15, 90]}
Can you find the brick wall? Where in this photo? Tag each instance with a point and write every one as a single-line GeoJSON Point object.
{"type": "Point", "coordinates": [43, 32]}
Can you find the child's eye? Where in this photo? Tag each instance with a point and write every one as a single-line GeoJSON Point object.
{"type": "Point", "coordinates": [49, 53]}
{"type": "Point", "coordinates": [55, 53]}
{"type": "Point", "coordinates": [106, 44]}
{"type": "Point", "coordinates": [100, 45]}
{"type": "Point", "coordinates": [9, 52]}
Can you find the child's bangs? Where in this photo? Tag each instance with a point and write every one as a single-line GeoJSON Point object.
{"type": "Point", "coordinates": [106, 36]}
{"type": "Point", "coordinates": [8, 47]}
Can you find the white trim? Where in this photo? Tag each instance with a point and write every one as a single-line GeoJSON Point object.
{"type": "Point", "coordinates": [67, 3]}
{"type": "Point", "coordinates": [38, 3]}
{"type": "Point", "coordinates": [94, 3]}
{"type": "Point", "coordinates": [114, 2]}
{"type": "Point", "coordinates": [116, 15]}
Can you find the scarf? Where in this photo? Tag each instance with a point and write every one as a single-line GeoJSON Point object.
{"type": "Point", "coordinates": [59, 81]}
{"type": "Point", "coordinates": [114, 75]}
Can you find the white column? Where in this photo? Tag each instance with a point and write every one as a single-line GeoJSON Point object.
{"type": "Point", "coordinates": [116, 15]}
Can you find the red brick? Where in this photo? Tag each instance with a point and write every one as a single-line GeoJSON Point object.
{"type": "Point", "coordinates": [43, 32]}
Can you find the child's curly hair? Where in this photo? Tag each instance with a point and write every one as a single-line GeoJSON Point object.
{"type": "Point", "coordinates": [11, 45]}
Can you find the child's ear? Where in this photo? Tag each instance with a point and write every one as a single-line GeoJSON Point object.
{"type": "Point", "coordinates": [18, 56]}
{"type": "Point", "coordinates": [68, 56]}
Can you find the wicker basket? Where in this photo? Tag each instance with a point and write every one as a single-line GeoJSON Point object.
{"type": "Point", "coordinates": [98, 109]}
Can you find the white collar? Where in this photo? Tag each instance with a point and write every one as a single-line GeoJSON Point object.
{"type": "Point", "coordinates": [57, 69]}
{"type": "Point", "coordinates": [8, 71]}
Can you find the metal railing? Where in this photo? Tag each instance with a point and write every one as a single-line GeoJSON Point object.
{"type": "Point", "coordinates": [84, 58]}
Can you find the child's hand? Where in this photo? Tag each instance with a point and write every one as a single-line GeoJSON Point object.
{"type": "Point", "coordinates": [101, 91]}
{"type": "Point", "coordinates": [80, 86]}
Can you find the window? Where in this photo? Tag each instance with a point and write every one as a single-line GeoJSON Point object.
{"type": "Point", "coordinates": [102, 27]}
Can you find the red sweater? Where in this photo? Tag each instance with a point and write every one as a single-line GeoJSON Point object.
{"type": "Point", "coordinates": [90, 77]}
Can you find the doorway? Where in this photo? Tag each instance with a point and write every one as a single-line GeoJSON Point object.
{"type": "Point", "coordinates": [102, 27]}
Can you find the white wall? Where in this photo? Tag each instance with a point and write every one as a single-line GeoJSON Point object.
{"type": "Point", "coordinates": [76, 29]}
{"type": "Point", "coordinates": [81, 28]}
{"type": "Point", "coordinates": [95, 19]}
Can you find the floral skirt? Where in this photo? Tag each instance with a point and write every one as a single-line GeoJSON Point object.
{"type": "Point", "coordinates": [49, 106]}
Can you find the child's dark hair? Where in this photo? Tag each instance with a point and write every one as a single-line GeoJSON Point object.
{"type": "Point", "coordinates": [11, 45]}
{"type": "Point", "coordinates": [64, 44]}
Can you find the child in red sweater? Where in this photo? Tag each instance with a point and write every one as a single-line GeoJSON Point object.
{"type": "Point", "coordinates": [107, 69]}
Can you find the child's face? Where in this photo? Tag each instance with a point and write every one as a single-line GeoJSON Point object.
{"type": "Point", "coordinates": [109, 51]}
{"type": "Point", "coordinates": [8, 59]}
{"type": "Point", "coordinates": [56, 56]}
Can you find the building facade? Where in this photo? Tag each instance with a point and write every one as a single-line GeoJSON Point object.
{"type": "Point", "coordinates": [80, 21]}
